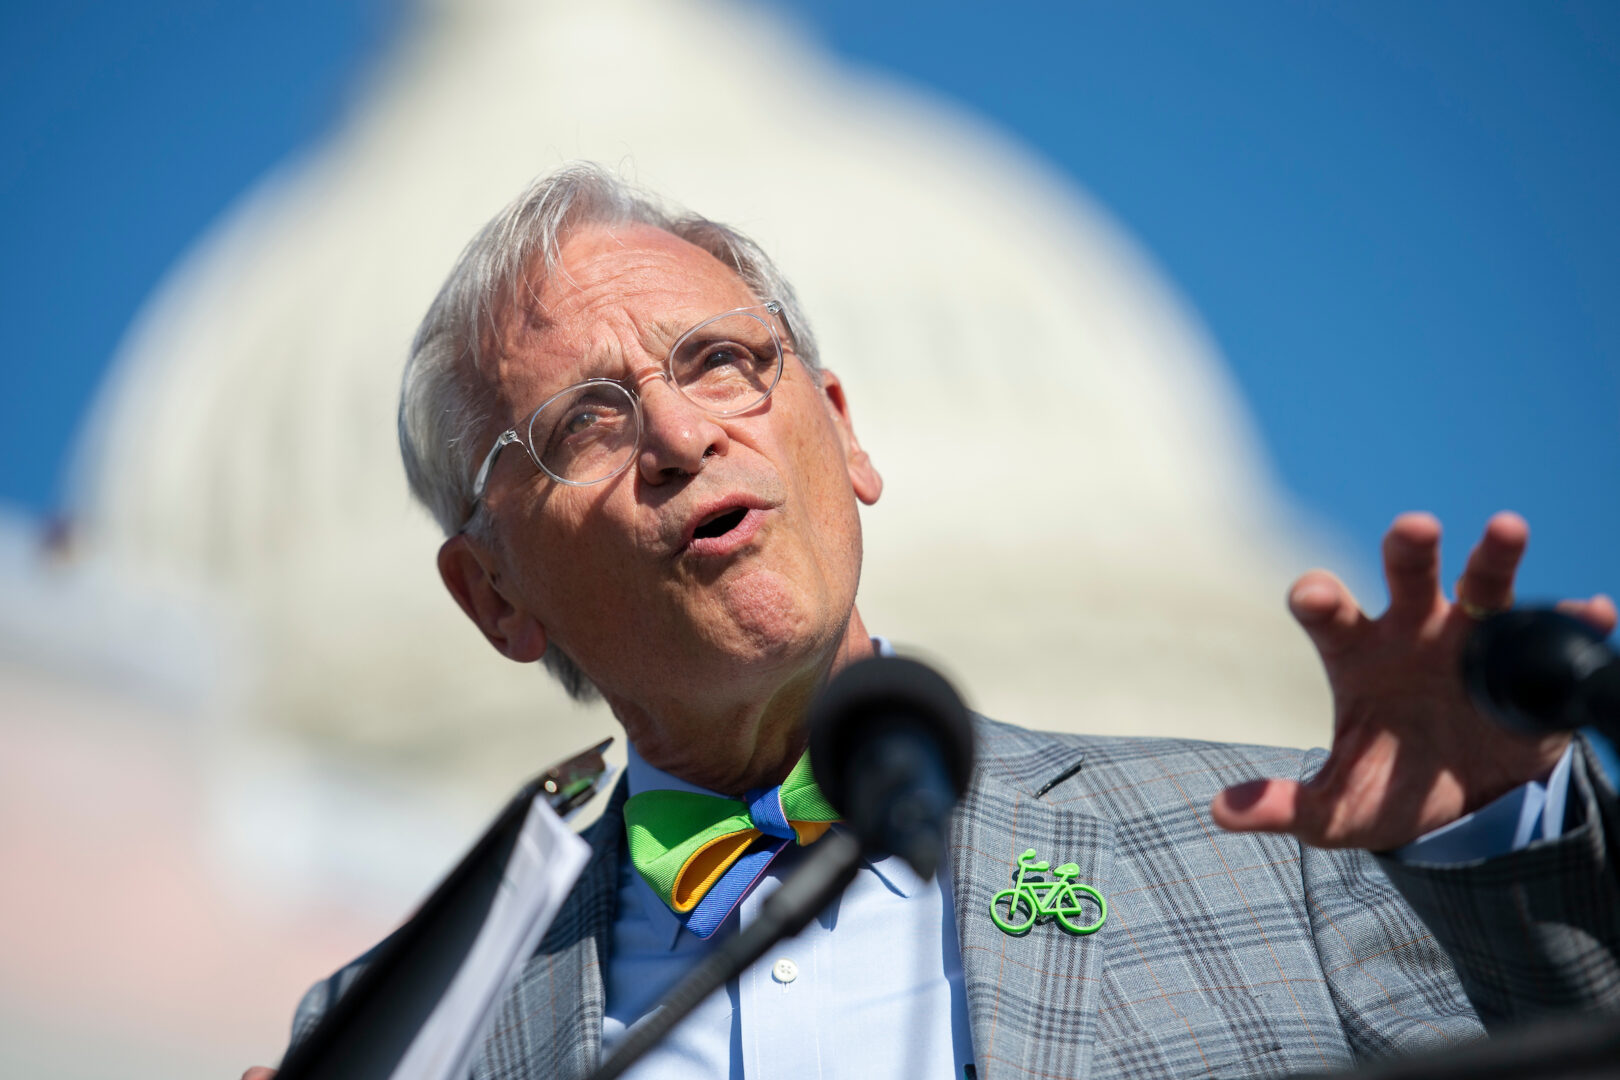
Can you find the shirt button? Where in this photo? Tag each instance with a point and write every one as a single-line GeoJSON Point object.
{"type": "Point", "coordinates": [784, 970]}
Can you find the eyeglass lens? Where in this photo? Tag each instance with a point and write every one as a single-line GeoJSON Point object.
{"type": "Point", "coordinates": [725, 366]}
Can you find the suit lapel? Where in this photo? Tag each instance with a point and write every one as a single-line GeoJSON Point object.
{"type": "Point", "coordinates": [1032, 998]}
{"type": "Point", "coordinates": [551, 1023]}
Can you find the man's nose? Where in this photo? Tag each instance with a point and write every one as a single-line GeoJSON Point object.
{"type": "Point", "coordinates": [676, 435]}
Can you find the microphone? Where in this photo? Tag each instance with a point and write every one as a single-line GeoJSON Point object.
{"type": "Point", "coordinates": [1540, 671]}
{"type": "Point", "coordinates": [892, 749]}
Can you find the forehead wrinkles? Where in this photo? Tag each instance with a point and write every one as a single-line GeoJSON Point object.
{"type": "Point", "coordinates": [612, 294]}
{"type": "Point", "coordinates": [640, 265]}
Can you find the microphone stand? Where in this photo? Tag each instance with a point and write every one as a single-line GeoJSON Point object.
{"type": "Point", "coordinates": [830, 864]}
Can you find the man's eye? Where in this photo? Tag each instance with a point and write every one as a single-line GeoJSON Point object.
{"type": "Point", "coordinates": [580, 422]}
{"type": "Point", "coordinates": [729, 355]}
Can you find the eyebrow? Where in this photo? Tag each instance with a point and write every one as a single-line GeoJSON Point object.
{"type": "Point", "coordinates": [665, 330]}
{"type": "Point", "coordinates": [672, 329]}
{"type": "Point", "coordinates": [610, 362]}
{"type": "Point", "coordinates": [595, 363]}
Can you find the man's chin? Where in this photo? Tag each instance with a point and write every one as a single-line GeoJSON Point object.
{"type": "Point", "coordinates": [769, 623]}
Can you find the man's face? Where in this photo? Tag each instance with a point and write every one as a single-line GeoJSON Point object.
{"type": "Point", "coordinates": [722, 564]}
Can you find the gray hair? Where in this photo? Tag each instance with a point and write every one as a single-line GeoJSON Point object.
{"type": "Point", "coordinates": [445, 401]}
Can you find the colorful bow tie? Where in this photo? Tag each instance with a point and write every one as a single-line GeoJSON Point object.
{"type": "Point", "coordinates": [694, 849]}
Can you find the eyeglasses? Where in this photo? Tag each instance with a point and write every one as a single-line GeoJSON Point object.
{"type": "Point", "coordinates": [590, 432]}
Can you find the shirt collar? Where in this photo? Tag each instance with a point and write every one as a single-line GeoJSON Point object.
{"type": "Point", "coordinates": [644, 777]}
{"type": "Point", "coordinates": [896, 876]}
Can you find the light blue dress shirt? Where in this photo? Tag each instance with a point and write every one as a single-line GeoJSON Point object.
{"type": "Point", "coordinates": [873, 986]}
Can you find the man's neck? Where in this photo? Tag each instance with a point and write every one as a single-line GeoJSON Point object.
{"type": "Point", "coordinates": [752, 744]}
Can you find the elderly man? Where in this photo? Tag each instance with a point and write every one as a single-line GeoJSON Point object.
{"type": "Point", "coordinates": [650, 483]}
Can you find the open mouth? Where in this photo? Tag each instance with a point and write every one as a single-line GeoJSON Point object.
{"type": "Point", "coordinates": [720, 524]}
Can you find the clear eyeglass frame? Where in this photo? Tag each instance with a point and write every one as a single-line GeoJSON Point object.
{"type": "Point", "coordinates": [766, 314]}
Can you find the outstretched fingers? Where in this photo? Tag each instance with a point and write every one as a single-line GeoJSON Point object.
{"type": "Point", "coordinates": [1326, 611]}
{"type": "Point", "coordinates": [1486, 584]}
{"type": "Point", "coordinates": [1412, 566]}
{"type": "Point", "coordinates": [1599, 611]}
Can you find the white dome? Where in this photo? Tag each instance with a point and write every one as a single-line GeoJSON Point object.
{"type": "Point", "coordinates": [1076, 521]}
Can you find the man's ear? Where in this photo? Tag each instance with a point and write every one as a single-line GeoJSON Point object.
{"type": "Point", "coordinates": [863, 475]}
{"type": "Point", "coordinates": [467, 570]}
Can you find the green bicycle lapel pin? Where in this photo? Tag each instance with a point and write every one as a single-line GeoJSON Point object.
{"type": "Point", "coordinates": [1029, 899]}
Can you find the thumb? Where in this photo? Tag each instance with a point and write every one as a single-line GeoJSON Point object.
{"type": "Point", "coordinates": [1259, 806]}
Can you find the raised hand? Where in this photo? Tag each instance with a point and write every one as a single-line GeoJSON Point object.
{"type": "Point", "coordinates": [1410, 752]}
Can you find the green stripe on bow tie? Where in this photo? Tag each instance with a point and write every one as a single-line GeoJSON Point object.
{"type": "Point", "coordinates": [682, 843]}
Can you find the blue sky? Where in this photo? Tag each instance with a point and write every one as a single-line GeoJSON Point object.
{"type": "Point", "coordinates": [1398, 220]}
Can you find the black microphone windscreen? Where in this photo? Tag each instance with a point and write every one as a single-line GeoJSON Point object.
{"type": "Point", "coordinates": [1527, 668]}
{"type": "Point", "coordinates": [877, 695]}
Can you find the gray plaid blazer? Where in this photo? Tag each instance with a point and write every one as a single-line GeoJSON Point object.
{"type": "Point", "coordinates": [1222, 955]}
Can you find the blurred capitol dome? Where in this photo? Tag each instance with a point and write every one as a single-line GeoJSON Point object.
{"type": "Point", "coordinates": [1077, 523]}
